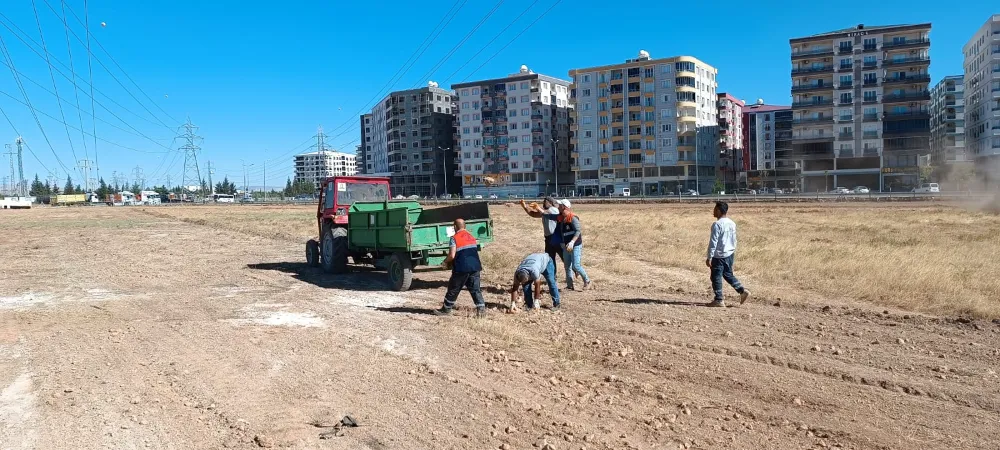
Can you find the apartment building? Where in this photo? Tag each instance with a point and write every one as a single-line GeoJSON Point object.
{"type": "Point", "coordinates": [860, 104]}
{"type": "Point", "coordinates": [409, 137]}
{"type": "Point", "coordinates": [359, 159]}
{"type": "Point", "coordinates": [730, 114]}
{"type": "Point", "coordinates": [948, 121]}
{"type": "Point", "coordinates": [982, 99]}
{"type": "Point", "coordinates": [647, 125]}
{"type": "Point", "coordinates": [314, 167]}
{"type": "Point", "coordinates": [767, 144]}
{"type": "Point", "coordinates": [513, 135]}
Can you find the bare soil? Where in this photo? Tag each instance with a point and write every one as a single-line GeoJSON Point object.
{"type": "Point", "coordinates": [190, 328]}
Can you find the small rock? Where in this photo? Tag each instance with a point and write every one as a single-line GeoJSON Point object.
{"type": "Point", "coordinates": [553, 381]}
{"type": "Point", "coordinates": [729, 334]}
{"type": "Point", "coordinates": [900, 341]}
{"type": "Point", "coordinates": [134, 401]}
{"type": "Point", "coordinates": [826, 308]}
{"type": "Point", "coordinates": [837, 352]}
{"type": "Point", "coordinates": [263, 441]}
{"type": "Point", "coordinates": [687, 411]}
{"type": "Point", "coordinates": [505, 446]}
{"type": "Point", "coordinates": [797, 401]}
{"type": "Point", "coordinates": [610, 378]}
{"type": "Point", "coordinates": [661, 397]}
{"type": "Point", "coordinates": [548, 446]}
{"type": "Point", "coordinates": [777, 304]}
{"type": "Point", "coordinates": [510, 430]}
{"type": "Point", "coordinates": [816, 348]}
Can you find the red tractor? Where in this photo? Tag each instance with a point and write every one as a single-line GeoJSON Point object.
{"type": "Point", "coordinates": [336, 195]}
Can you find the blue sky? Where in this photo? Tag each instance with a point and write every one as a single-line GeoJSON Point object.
{"type": "Point", "coordinates": [259, 77]}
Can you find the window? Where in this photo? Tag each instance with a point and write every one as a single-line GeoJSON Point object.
{"type": "Point", "coordinates": [465, 105]}
{"type": "Point", "coordinates": [666, 97]}
{"type": "Point", "coordinates": [513, 152]}
{"type": "Point", "coordinates": [465, 117]}
{"type": "Point", "coordinates": [650, 116]}
{"type": "Point", "coordinates": [587, 120]}
{"type": "Point", "coordinates": [475, 91]}
{"type": "Point", "coordinates": [438, 98]}
{"type": "Point", "coordinates": [525, 85]}
{"type": "Point", "coordinates": [525, 99]}
{"type": "Point", "coordinates": [665, 68]}
{"type": "Point", "coordinates": [479, 167]}
{"type": "Point", "coordinates": [586, 92]}
{"type": "Point", "coordinates": [513, 125]}
{"type": "Point", "coordinates": [603, 120]}
{"type": "Point", "coordinates": [870, 60]}
{"type": "Point", "coordinates": [666, 142]}
{"type": "Point", "coordinates": [512, 87]}
{"type": "Point", "coordinates": [513, 113]}
{"type": "Point", "coordinates": [665, 113]}
{"type": "Point", "coordinates": [465, 130]}
{"type": "Point", "coordinates": [588, 134]}
{"type": "Point", "coordinates": [476, 143]}
{"type": "Point", "coordinates": [665, 127]}
{"type": "Point", "coordinates": [475, 116]}
{"type": "Point", "coordinates": [525, 125]}
{"type": "Point", "coordinates": [512, 100]}
{"type": "Point", "coordinates": [475, 105]}
{"type": "Point", "coordinates": [586, 106]}
{"type": "Point", "coordinates": [468, 167]}
{"type": "Point", "coordinates": [871, 78]}
{"type": "Point", "coordinates": [870, 96]}
{"type": "Point", "coordinates": [476, 130]}
{"type": "Point", "coordinates": [870, 44]}
{"type": "Point", "coordinates": [525, 112]}
{"type": "Point", "coordinates": [846, 46]}
{"type": "Point", "coordinates": [846, 98]}
{"type": "Point", "coordinates": [512, 139]}
{"type": "Point", "coordinates": [665, 83]}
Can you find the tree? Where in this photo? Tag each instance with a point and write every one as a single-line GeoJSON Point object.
{"type": "Point", "coordinates": [55, 189]}
{"type": "Point", "coordinates": [718, 187]}
{"type": "Point", "coordinates": [136, 188]}
{"type": "Point", "coordinates": [79, 190]}
{"type": "Point", "coordinates": [38, 188]}
{"type": "Point", "coordinates": [288, 189]}
{"type": "Point", "coordinates": [68, 189]}
{"type": "Point", "coordinates": [102, 189]}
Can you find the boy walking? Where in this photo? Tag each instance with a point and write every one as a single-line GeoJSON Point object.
{"type": "Point", "coordinates": [721, 250]}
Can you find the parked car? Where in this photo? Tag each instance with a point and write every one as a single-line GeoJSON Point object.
{"type": "Point", "coordinates": [746, 192]}
{"type": "Point", "coordinates": [493, 196]}
{"type": "Point", "coordinates": [861, 190]}
{"type": "Point", "coordinates": [479, 197]}
{"type": "Point", "coordinates": [927, 188]}
{"type": "Point", "coordinates": [778, 191]}
{"type": "Point", "coordinates": [840, 190]}
{"type": "Point", "coordinates": [690, 192]}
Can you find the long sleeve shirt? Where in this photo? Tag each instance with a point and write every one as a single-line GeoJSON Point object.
{"type": "Point", "coordinates": [722, 244]}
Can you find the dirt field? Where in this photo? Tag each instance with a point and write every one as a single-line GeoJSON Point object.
{"type": "Point", "coordinates": [202, 328]}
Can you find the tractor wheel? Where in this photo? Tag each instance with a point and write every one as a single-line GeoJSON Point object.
{"type": "Point", "coordinates": [312, 253]}
{"type": "Point", "coordinates": [334, 254]}
{"type": "Point", "coordinates": [400, 271]}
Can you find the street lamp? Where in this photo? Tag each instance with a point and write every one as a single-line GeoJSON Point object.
{"type": "Point", "coordinates": [444, 165]}
{"type": "Point", "coordinates": [555, 163]}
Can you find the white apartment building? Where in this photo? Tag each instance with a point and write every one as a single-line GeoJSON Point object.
{"type": "Point", "coordinates": [948, 121]}
{"type": "Point", "coordinates": [647, 125]}
{"type": "Point", "coordinates": [982, 95]}
{"type": "Point", "coordinates": [316, 166]}
{"type": "Point", "coordinates": [513, 135]}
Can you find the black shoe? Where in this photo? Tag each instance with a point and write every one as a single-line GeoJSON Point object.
{"type": "Point", "coordinates": [555, 308]}
{"type": "Point", "coordinates": [480, 312]}
{"type": "Point", "coordinates": [444, 311]}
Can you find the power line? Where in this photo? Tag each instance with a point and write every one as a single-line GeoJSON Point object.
{"type": "Point", "coordinates": [113, 76]}
{"type": "Point", "coordinates": [76, 88]}
{"type": "Point", "coordinates": [90, 70]}
{"type": "Point", "coordinates": [80, 129]}
{"type": "Point", "coordinates": [512, 40]}
{"type": "Point", "coordinates": [504, 30]}
{"type": "Point", "coordinates": [52, 76]}
{"type": "Point", "coordinates": [106, 52]}
{"type": "Point", "coordinates": [460, 43]}
{"type": "Point", "coordinates": [417, 53]}
{"type": "Point", "coordinates": [5, 116]}
{"type": "Point", "coordinates": [16, 31]}
{"type": "Point", "coordinates": [24, 93]}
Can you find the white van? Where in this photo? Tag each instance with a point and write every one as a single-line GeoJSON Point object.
{"type": "Point", "coordinates": [626, 192]}
{"type": "Point", "coordinates": [928, 188]}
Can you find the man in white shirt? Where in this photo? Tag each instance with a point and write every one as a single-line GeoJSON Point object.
{"type": "Point", "coordinates": [721, 250]}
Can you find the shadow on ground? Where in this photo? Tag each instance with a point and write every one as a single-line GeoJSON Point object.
{"type": "Point", "coordinates": [430, 311]}
{"type": "Point", "coordinates": [359, 279]}
{"type": "Point", "coordinates": [650, 301]}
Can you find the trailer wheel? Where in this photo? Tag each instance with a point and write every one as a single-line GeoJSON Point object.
{"type": "Point", "coordinates": [400, 271]}
{"type": "Point", "coordinates": [334, 254]}
{"type": "Point", "coordinates": [312, 253]}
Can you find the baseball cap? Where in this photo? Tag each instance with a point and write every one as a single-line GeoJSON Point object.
{"type": "Point", "coordinates": [564, 202]}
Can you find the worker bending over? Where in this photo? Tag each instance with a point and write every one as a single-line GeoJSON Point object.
{"type": "Point", "coordinates": [463, 257]}
{"type": "Point", "coordinates": [528, 278]}
{"type": "Point", "coordinates": [550, 225]}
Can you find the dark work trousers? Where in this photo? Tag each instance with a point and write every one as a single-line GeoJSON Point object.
{"type": "Point", "coordinates": [722, 269]}
{"type": "Point", "coordinates": [468, 280]}
{"type": "Point", "coordinates": [554, 250]}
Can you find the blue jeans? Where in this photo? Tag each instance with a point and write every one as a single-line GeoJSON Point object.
{"type": "Point", "coordinates": [722, 269]}
{"type": "Point", "coordinates": [550, 278]}
{"type": "Point", "coordinates": [572, 262]}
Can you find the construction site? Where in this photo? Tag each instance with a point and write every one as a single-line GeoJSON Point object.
{"type": "Point", "coordinates": [206, 327]}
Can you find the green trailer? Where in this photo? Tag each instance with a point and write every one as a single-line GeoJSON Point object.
{"type": "Point", "coordinates": [400, 235]}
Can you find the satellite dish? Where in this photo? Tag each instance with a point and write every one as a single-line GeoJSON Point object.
{"type": "Point", "coordinates": [760, 101]}
{"type": "Point", "coordinates": [643, 54]}
{"type": "Point", "coordinates": [524, 68]}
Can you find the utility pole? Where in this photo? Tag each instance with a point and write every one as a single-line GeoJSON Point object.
{"type": "Point", "coordinates": [10, 154]}
{"type": "Point", "coordinates": [84, 165]}
{"type": "Point", "coordinates": [138, 177]}
{"type": "Point", "coordinates": [264, 165]}
{"type": "Point", "coordinates": [191, 149]}
{"type": "Point", "coordinates": [444, 166]}
{"type": "Point", "coordinates": [22, 187]}
{"type": "Point", "coordinates": [210, 172]}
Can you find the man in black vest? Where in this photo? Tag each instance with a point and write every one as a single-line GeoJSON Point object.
{"type": "Point", "coordinates": [463, 256]}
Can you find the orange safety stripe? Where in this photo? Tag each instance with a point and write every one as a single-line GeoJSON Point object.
{"type": "Point", "coordinates": [464, 240]}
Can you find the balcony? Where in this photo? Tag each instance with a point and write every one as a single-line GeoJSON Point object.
{"type": "Point", "coordinates": [843, 50]}
{"type": "Point", "coordinates": [870, 135]}
{"type": "Point", "coordinates": [870, 118]}
{"type": "Point", "coordinates": [813, 137]}
{"type": "Point", "coordinates": [813, 120]}
{"type": "Point", "coordinates": [869, 48]}
{"type": "Point", "coordinates": [907, 115]}
{"type": "Point", "coordinates": [848, 118]}
{"type": "Point", "coordinates": [871, 151]}
{"type": "Point", "coordinates": [827, 51]}
{"type": "Point", "coordinates": [869, 100]}
{"type": "Point", "coordinates": [920, 78]}
{"type": "Point", "coordinates": [907, 132]}
{"type": "Point", "coordinates": [812, 87]}
{"type": "Point", "coordinates": [845, 136]}
{"type": "Point", "coordinates": [812, 103]}
{"type": "Point", "coordinates": [869, 64]}
{"type": "Point", "coordinates": [846, 66]}
{"type": "Point", "coordinates": [906, 97]}
{"type": "Point", "coordinates": [906, 43]}
{"type": "Point", "coordinates": [870, 82]}
{"type": "Point", "coordinates": [904, 61]}
{"type": "Point", "coordinates": [845, 85]}
{"type": "Point", "coordinates": [813, 69]}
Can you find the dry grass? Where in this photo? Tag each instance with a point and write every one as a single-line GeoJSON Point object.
{"type": "Point", "coordinates": [929, 258]}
